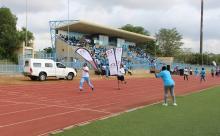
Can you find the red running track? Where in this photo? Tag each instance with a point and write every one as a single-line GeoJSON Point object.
{"type": "Point", "coordinates": [37, 109]}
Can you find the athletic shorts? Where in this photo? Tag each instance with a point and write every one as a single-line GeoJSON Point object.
{"type": "Point", "coordinates": [121, 78]}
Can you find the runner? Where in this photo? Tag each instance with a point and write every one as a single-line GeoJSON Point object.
{"type": "Point", "coordinates": [85, 77]}
{"type": "Point", "coordinates": [121, 73]}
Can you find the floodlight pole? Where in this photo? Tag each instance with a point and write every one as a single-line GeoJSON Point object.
{"type": "Point", "coordinates": [201, 31]}
{"type": "Point", "coordinates": [155, 49]}
{"type": "Point", "coordinates": [26, 23]}
{"type": "Point", "coordinates": [68, 31]}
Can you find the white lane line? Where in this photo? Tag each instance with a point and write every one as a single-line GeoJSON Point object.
{"type": "Point", "coordinates": [8, 105]}
{"type": "Point", "coordinates": [44, 117]}
{"type": "Point", "coordinates": [95, 119]}
{"type": "Point", "coordinates": [69, 107]}
{"type": "Point", "coordinates": [8, 113]}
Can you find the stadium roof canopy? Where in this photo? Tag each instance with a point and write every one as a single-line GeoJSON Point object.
{"type": "Point", "coordinates": [92, 28]}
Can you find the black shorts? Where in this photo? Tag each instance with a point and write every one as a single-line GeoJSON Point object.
{"type": "Point", "coordinates": [121, 78]}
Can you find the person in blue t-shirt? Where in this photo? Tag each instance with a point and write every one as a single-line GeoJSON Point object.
{"type": "Point", "coordinates": [168, 85]}
{"type": "Point", "coordinates": [202, 75]}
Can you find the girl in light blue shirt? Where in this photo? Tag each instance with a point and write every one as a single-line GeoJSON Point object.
{"type": "Point", "coordinates": [168, 85]}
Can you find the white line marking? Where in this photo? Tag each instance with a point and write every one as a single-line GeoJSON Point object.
{"type": "Point", "coordinates": [23, 111]}
{"type": "Point", "coordinates": [48, 116]}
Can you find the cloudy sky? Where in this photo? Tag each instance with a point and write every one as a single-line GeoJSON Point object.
{"type": "Point", "coordinates": [151, 14]}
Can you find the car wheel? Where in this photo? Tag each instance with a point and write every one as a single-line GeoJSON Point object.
{"type": "Point", "coordinates": [70, 76]}
{"type": "Point", "coordinates": [42, 76]}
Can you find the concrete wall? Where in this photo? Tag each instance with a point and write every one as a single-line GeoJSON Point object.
{"type": "Point", "coordinates": [63, 50]}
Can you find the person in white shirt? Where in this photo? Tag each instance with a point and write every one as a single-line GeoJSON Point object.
{"type": "Point", "coordinates": [121, 73]}
{"type": "Point", "coordinates": [186, 73]}
{"type": "Point", "coordinates": [85, 77]}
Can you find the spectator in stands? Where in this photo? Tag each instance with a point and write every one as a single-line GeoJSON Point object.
{"type": "Point", "coordinates": [168, 85]}
{"type": "Point", "coordinates": [85, 77]}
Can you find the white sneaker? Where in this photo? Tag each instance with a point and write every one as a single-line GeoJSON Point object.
{"type": "Point", "coordinates": [165, 104]}
{"type": "Point", "coordinates": [174, 104]}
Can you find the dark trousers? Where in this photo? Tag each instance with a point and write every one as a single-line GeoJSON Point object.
{"type": "Point", "coordinates": [186, 77]}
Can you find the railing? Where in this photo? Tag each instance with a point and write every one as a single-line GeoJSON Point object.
{"type": "Point", "coordinates": [11, 68]}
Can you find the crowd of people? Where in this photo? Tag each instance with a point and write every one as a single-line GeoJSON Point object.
{"type": "Point", "coordinates": [72, 40]}
{"type": "Point", "coordinates": [134, 55]}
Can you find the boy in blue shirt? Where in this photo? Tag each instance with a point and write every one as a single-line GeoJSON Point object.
{"type": "Point", "coordinates": [202, 75]}
{"type": "Point", "coordinates": [168, 85]}
{"type": "Point", "coordinates": [196, 72]}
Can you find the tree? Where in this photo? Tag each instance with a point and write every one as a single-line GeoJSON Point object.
{"type": "Point", "coordinates": [48, 50]}
{"type": "Point", "coordinates": [22, 36]}
{"type": "Point", "coordinates": [169, 40]}
{"type": "Point", "coordinates": [135, 29]}
{"type": "Point", "coordinates": [8, 34]}
{"type": "Point", "coordinates": [152, 48]}
{"type": "Point", "coordinates": [10, 37]}
{"type": "Point", "coordinates": [149, 46]}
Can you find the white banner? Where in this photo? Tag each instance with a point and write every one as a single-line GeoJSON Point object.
{"type": "Point", "coordinates": [112, 62]}
{"type": "Point", "coordinates": [118, 54]}
{"type": "Point", "coordinates": [87, 56]}
{"type": "Point", "coordinates": [214, 63]}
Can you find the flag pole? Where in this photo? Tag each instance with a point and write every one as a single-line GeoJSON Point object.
{"type": "Point", "coordinates": [201, 31]}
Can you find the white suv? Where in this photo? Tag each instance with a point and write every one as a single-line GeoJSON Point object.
{"type": "Point", "coordinates": [40, 69]}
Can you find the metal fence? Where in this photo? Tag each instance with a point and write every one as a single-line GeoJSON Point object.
{"type": "Point", "coordinates": [7, 68]}
{"type": "Point", "coordinates": [11, 68]}
{"type": "Point", "coordinates": [16, 69]}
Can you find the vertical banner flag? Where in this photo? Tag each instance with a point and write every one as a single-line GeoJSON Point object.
{"type": "Point", "coordinates": [118, 55]}
{"type": "Point", "coordinates": [87, 56]}
{"type": "Point", "coordinates": [214, 63]}
{"type": "Point", "coordinates": [112, 62]}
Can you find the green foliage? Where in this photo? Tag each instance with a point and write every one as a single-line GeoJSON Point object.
{"type": "Point", "coordinates": [196, 58]}
{"type": "Point", "coordinates": [151, 48]}
{"type": "Point", "coordinates": [148, 46]}
{"type": "Point", "coordinates": [48, 50]}
{"type": "Point", "coordinates": [169, 41]}
{"type": "Point", "coordinates": [8, 33]}
{"type": "Point", "coordinates": [10, 37]}
{"type": "Point", "coordinates": [22, 35]}
{"type": "Point", "coordinates": [135, 29]}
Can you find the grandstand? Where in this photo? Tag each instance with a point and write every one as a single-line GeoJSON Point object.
{"type": "Point", "coordinates": [69, 35]}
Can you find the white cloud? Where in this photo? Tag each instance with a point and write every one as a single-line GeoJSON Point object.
{"type": "Point", "coordinates": [210, 46]}
{"type": "Point", "coordinates": [42, 41]}
{"type": "Point", "coordinates": [19, 6]}
{"type": "Point", "coordinates": [152, 14]}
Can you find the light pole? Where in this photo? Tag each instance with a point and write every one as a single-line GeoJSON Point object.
{"type": "Point", "coordinates": [201, 31]}
{"type": "Point", "coordinates": [68, 58]}
{"type": "Point", "coordinates": [26, 23]}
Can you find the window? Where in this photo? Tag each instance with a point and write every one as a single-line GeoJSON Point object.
{"type": "Point", "coordinates": [59, 65]}
{"type": "Point", "coordinates": [26, 63]}
{"type": "Point", "coordinates": [48, 65]}
{"type": "Point", "coordinates": [37, 65]}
